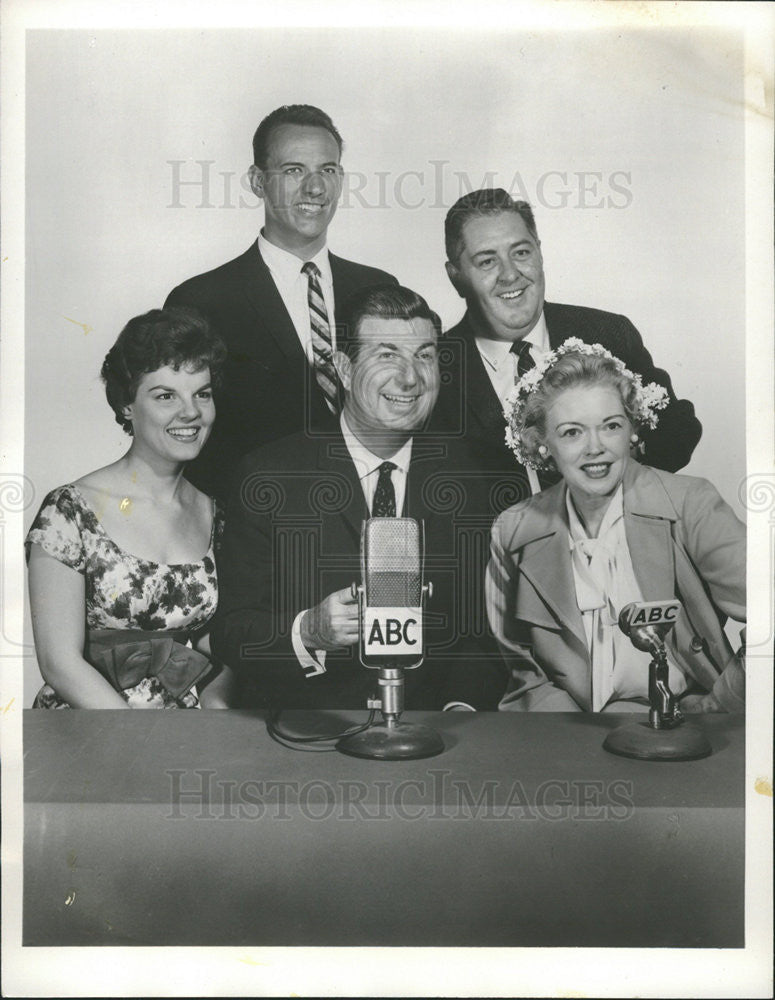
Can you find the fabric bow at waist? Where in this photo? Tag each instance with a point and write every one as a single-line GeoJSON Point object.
{"type": "Point", "coordinates": [125, 656]}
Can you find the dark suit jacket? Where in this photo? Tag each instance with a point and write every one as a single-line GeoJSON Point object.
{"type": "Point", "coordinates": [468, 404]}
{"type": "Point", "coordinates": [268, 389]}
{"type": "Point", "coordinates": [684, 541]}
{"type": "Point", "coordinates": [292, 537]}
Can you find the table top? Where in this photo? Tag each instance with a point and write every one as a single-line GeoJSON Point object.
{"type": "Point", "coordinates": [127, 757]}
{"type": "Point", "coordinates": [487, 844]}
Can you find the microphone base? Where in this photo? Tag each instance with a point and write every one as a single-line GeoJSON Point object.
{"type": "Point", "coordinates": [642, 742]}
{"type": "Point", "coordinates": [399, 741]}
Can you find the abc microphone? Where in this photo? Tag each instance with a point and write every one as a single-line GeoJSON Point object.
{"type": "Point", "coordinates": [391, 598]}
{"type": "Point", "coordinates": [647, 624]}
{"type": "Point", "coordinates": [664, 737]}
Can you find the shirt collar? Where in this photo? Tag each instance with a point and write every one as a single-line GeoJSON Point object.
{"type": "Point", "coordinates": [366, 461]}
{"type": "Point", "coordinates": [495, 351]}
{"type": "Point", "coordinates": [285, 267]}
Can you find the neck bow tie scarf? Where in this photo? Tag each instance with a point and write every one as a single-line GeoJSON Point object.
{"type": "Point", "coordinates": [384, 504]}
{"type": "Point", "coordinates": [325, 373]}
{"type": "Point", "coordinates": [595, 565]}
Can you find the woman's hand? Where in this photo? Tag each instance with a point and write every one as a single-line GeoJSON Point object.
{"type": "Point", "coordinates": [219, 692]}
{"type": "Point", "coordinates": [694, 703]}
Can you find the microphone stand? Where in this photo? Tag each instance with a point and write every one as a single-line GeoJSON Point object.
{"type": "Point", "coordinates": [664, 736]}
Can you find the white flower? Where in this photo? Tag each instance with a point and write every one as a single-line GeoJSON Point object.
{"type": "Point", "coordinates": [649, 398]}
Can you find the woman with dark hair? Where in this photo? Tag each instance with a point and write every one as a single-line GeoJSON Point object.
{"type": "Point", "coordinates": [122, 569]}
{"type": "Point", "coordinates": [612, 531]}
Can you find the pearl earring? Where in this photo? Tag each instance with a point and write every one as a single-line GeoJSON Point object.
{"type": "Point", "coordinates": [634, 438]}
{"type": "Point", "coordinates": [543, 451]}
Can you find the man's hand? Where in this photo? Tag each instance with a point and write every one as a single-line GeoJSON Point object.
{"type": "Point", "coordinates": [331, 624]}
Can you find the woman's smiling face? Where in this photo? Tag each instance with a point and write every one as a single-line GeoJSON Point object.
{"type": "Point", "coordinates": [172, 412]}
{"type": "Point", "coordinates": [588, 435]}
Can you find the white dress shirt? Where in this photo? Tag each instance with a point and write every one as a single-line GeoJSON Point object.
{"type": "Point", "coordinates": [292, 284]}
{"type": "Point", "coordinates": [605, 582]}
{"type": "Point", "coordinates": [501, 366]}
{"type": "Point", "coordinates": [367, 468]}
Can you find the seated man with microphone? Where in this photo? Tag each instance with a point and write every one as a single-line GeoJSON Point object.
{"type": "Point", "coordinates": [288, 619]}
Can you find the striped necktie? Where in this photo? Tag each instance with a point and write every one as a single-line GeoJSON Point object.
{"type": "Point", "coordinates": [325, 373]}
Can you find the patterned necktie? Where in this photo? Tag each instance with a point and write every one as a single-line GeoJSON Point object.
{"type": "Point", "coordinates": [384, 504]}
{"type": "Point", "coordinates": [325, 373]}
{"type": "Point", "coordinates": [524, 360]}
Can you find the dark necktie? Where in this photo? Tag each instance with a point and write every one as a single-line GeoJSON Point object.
{"type": "Point", "coordinates": [524, 361]}
{"type": "Point", "coordinates": [384, 504]}
{"type": "Point", "coordinates": [546, 477]}
{"type": "Point", "coordinates": [325, 373]}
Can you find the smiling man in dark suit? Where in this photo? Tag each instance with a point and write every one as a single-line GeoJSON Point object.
{"type": "Point", "coordinates": [287, 621]}
{"type": "Point", "coordinates": [495, 264]}
{"type": "Point", "coordinates": [276, 305]}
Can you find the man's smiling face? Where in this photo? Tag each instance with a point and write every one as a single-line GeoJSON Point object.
{"type": "Point", "coordinates": [500, 273]}
{"type": "Point", "coordinates": [392, 382]}
{"type": "Point", "coordinates": [300, 187]}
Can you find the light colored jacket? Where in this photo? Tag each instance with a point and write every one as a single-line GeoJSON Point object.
{"type": "Point", "coordinates": [685, 542]}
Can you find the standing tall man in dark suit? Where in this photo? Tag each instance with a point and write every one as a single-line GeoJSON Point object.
{"type": "Point", "coordinates": [495, 263]}
{"type": "Point", "coordinates": [276, 305]}
{"type": "Point", "coordinates": [287, 621]}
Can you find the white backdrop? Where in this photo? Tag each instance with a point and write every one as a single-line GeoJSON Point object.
{"type": "Point", "coordinates": [629, 144]}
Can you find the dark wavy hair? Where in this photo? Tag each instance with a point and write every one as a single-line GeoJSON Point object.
{"type": "Point", "coordinates": [487, 201]}
{"type": "Point", "coordinates": [290, 114]}
{"type": "Point", "coordinates": [381, 302]}
{"type": "Point", "coordinates": [178, 337]}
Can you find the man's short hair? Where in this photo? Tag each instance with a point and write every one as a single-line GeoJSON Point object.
{"type": "Point", "coordinates": [290, 114]}
{"type": "Point", "coordinates": [381, 302]}
{"type": "Point", "coordinates": [487, 201]}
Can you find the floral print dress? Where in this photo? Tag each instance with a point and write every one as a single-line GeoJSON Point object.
{"type": "Point", "coordinates": [123, 591]}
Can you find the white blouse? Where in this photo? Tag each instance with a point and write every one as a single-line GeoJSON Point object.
{"type": "Point", "coordinates": [605, 583]}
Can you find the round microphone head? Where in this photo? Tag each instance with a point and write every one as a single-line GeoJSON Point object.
{"type": "Point", "coordinates": [624, 618]}
{"type": "Point", "coordinates": [643, 636]}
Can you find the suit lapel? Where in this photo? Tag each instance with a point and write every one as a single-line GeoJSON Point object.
{"type": "Point", "coordinates": [481, 399]}
{"type": "Point", "coordinates": [554, 327]}
{"type": "Point", "coordinates": [333, 456]}
{"type": "Point", "coordinates": [648, 517]}
{"type": "Point", "coordinates": [343, 286]}
{"type": "Point", "coordinates": [269, 308]}
{"type": "Point", "coordinates": [428, 460]}
{"type": "Point", "coordinates": [545, 560]}
{"type": "Point", "coordinates": [546, 564]}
